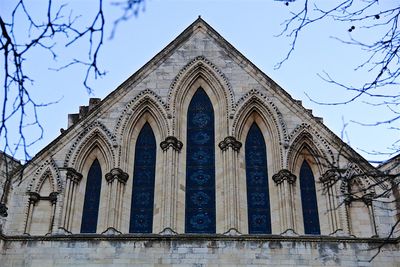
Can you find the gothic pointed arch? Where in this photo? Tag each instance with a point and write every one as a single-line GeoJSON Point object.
{"type": "Point", "coordinates": [145, 107]}
{"type": "Point", "coordinates": [96, 135]}
{"type": "Point", "coordinates": [200, 72]}
{"type": "Point", "coordinates": [48, 169]}
{"type": "Point", "coordinates": [255, 107]}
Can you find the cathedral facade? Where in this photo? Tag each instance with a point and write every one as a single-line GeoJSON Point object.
{"type": "Point", "coordinates": [197, 159]}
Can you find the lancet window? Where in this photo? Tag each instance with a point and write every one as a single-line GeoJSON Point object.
{"type": "Point", "coordinates": [200, 166]}
{"type": "Point", "coordinates": [259, 217]}
{"type": "Point", "coordinates": [141, 219]}
{"type": "Point", "coordinates": [92, 199]}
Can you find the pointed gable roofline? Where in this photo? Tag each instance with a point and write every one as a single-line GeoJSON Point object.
{"type": "Point", "coordinates": [245, 63]}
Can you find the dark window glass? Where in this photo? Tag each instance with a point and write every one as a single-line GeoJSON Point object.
{"type": "Point", "coordinates": [309, 200]}
{"type": "Point", "coordinates": [92, 199]}
{"type": "Point", "coordinates": [200, 166]}
{"type": "Point", "coordinates": [143, 182]}
{"type": "Point", "coordinates": [259, 216]}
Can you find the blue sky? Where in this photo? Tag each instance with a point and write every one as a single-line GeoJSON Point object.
{"type": "Point", "coordinates": [250, 26]}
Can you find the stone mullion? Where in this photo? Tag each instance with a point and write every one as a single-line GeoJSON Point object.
{"type": "Point", "coordinates": [285, 180]}
{"type": "Point", "coordinates": [116, 180]}
{"type": "Point", "coordinates": [73, 179]}
{"type": "Point", "coordinates": [230, 148]}
{"type": "Point", "coordinates": [171, 147]}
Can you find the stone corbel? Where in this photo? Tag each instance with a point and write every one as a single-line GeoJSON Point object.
{"type": "Point", "coordinates": [116, 180]}
{"type": "Point", "coordinates": [171, 141]}
{"type": "Point", "coordinates": [285, 181]}
{"type": "Point", "coordinates": [73, 179]}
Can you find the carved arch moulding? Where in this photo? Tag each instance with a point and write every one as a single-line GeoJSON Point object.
{"type": "Point", "coordinates": [50, 170]}
{"type": "Point", "coordinates": [200, 67]}
{"type": "Point", "coordinates": [305, 134]}
{"type": "Point", "coordinates": [95, 134]}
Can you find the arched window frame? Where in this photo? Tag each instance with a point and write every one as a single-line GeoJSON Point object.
{"type": "Point", "coordinates": [200, 197]}
{"type": "Point", "coordinates": [138, 209]}
{"type": "Point", "coordinates": [258, 199]}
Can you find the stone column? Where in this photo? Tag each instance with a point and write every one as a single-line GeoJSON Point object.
{"type": "Point", "coordinates": [368, 200]}
{"type": "Point", "coordinates": [116, 181]}
{"type": "Point", "coordinates": [329, 180]}
{"type": "Point", "coordinates": [53, 200]}
{"type": "Point", "coordinates": [285, 180]}
{"type": "Point", "coordinates": [171, 147]}
{"type": "Point", "coordinates": [72, 182]}
{"type": "Point", "coordinates": [230, 149]}
{"type": "Point", "coordinates": [33, 199]}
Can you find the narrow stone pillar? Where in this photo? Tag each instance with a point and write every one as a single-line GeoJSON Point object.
{"type": "Point", "coordinates": [171, 147]}
{"type": "Point", "coordinates": [329, 180]}
{"type": "Point", "coordinates": [285, 180]}
{"type": "Point", "coordinates": [72, 182]}
{"type": "Point", "coordinates": [53, 201]}
{"type": "Point", "coordinates": [230, 149]}
{"type": "Point", "coordinates": [116, 180]}
{"type": "Point", "coordinates": [368, 200]}
{"type": "Point", "coordinates": [33, 199]}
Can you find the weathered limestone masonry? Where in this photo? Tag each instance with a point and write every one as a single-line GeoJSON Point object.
{"type": "Point", "coordinates": [197, 159]}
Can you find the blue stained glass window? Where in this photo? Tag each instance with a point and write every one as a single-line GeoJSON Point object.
{"type": "Point", "coordinates": [200, 166]}
{"type": "Point", "coordinates": [259, 216]}
{"type": "Point", "coordinates": [141, 220]}
{"type": "Point", "coordinates": [309, 200]}
{"type": "Point", "coordinates": [92, 199]}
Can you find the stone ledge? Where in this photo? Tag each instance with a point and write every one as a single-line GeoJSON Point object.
{"type": "Point", "coordinates": [198, 237]}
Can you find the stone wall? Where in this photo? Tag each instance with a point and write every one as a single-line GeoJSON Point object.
{"type": "Point", "coordinates": [195, 251]}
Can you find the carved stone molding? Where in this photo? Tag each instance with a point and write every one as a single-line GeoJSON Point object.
{"type": "Point", "coordinates": [283, 175]}
{"type": "Point", "coordinates": [73, 175]}
{"type": "Point", "coordinates": [34, 197]}
{"type": "Point", "coordinates": [53, 197]}
{"type": "Point", "coordinates": [3, 210]}
{"type": "Point", "coordinates": [117, 174]}
{"type": "Point", "coordinates": [230, 141]}
{"type": "Point", "coordinates": [171, 141]}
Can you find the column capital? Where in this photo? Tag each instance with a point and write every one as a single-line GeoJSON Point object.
{"type": "Point", "coordinates": [230, 141]}
{"type": "Point", "coordinates": [53, 197]}
{"type": "Point", "coordinates": [329, 176]}
{"type": "Point", "coordinates": [283, 175]}
{"type": "Point", "coordinates": [368, 198]}
{"type": "Point", "coordinates": [117, 174]}
{"type": "Point", "coordinates": [171, 141]}
{"type": "Point", "coordinates": [33, 197]}
{"type": "Point", "coordinates": [73, 175]}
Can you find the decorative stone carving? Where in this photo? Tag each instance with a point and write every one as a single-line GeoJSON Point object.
{"type": "Point", "coordinates": [230, 141]}
{"type": "Point", "coordinates": [117, 174]}
{"type": "Point", "coordinates": [284, 175]}
{"type": "Point", "coordinates": [53, 197]}
{"type": "Point", "coordinates": [171, 141]}
{"type": "Point", "coordinates": [73, 175]}
{"type": "Point", "coordinates": [33, 197]}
